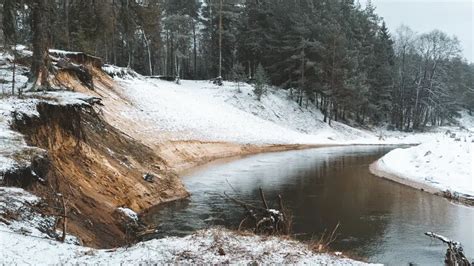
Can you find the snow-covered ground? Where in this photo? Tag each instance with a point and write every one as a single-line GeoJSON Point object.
{"type": "Point", "coordinates": [439, 166]}
{"type": "Point", "coordinates": [200, 110]}
{"type": "Point", "coordinates": [12, 144]}
{"type": "Point", "coordinates": [203, 247]}
{"type": "Point", "coordinates": [442, 163]}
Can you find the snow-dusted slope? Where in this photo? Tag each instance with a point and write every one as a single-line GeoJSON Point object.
{"type": "Point", "coordinates": [199, 110]}
{"type": "Point", "coordinates": [440, 166]}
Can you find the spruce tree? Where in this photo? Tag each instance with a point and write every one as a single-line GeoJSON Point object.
{"type": "Point", "coordinates": [261, 82]}
{"type": "Point", "coordinates": [238, 75]}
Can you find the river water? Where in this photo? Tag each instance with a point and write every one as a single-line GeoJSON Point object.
{"type": "Point", "coordinates": [380, 221]}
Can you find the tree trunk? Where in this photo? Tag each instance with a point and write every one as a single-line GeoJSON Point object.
{"type": "Point", "coordinates": [8, 21]}
{"type": "Point", "coordinates": [194, 50]}
{"type": "Point", "coordinates": [40, 62]}
{"type": "Point", "coordinates": [66, 23]}
{"type": "Point", "coordinates": [147, 44]}
{"type": "Point", "coordinates": [14, 71]}
{"type": "Point", "coordinates": [220, 39]}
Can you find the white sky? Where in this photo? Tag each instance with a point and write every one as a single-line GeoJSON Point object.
{"type": "Point", "coordinates": [455, 17]}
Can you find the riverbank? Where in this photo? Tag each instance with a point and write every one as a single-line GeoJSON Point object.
{"type": "Point", "coordinates": [443, 168]}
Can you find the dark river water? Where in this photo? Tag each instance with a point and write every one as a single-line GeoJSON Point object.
{"type": "Point", "coordinates": [380, 220]}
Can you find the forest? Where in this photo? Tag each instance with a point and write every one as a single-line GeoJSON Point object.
{"type": "Point", "coordinates": [337, 55]}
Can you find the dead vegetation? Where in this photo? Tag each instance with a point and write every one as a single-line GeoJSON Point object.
{"type": "Point", "coordinates": [325, 240]}
{"type": "Point", "coordinates": [263, 220]}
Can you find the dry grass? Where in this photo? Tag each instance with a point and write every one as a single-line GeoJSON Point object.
{"type": "Point", "coordinates": [325, 240]}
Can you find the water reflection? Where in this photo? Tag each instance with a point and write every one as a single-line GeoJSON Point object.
{"type": "Point", "coordinates": [380, 220]}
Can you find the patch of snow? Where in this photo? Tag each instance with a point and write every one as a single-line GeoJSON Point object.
{"type": "Point", "coordinates": [120, 72]}
{"type": "Point", "coordinates": [444, 165]}
{"type": "Point", "coordinates": [12, 143]}
{"type": "Point", "coordinates": [129, 213]}
{"type": "Point", "coordinates": [63, 52]}
{"type": "Point", "coordinates": [200, 110]}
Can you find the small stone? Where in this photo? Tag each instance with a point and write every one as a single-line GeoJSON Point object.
{"type": "Point", "coordinates": [148, 177]}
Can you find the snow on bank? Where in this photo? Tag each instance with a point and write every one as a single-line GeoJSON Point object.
{"type": "Point", "coordinates": [200, 110]}
{"type": "Point", "coordinates": [440, 166]}
{"type": "Point", "coordinates": [14, 152]}
{"type": "Point", "coordinates": [204, 247]}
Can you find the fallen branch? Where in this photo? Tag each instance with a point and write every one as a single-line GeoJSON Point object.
{"type": "Point", "coordinates": [454, 254]}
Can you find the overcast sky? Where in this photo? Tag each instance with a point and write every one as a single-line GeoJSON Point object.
{"type": "Point", "coordinates": [454, 17]}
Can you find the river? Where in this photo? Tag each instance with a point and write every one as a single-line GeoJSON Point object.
{"type": "Point", "coordinates": [380, 221]}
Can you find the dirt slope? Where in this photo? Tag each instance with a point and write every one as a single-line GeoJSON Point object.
{"type": "Point", "coordinates": [98, 169]}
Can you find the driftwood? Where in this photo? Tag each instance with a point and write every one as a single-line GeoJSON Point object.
{"type": "Point", "coordinates": [263, 220]}
{"type": "Point", "coordinates": [454, 254]}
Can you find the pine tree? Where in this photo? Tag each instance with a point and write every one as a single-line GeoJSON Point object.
{"type": "Point", "coordinates": [261, 82]}
{"type": "Point", "coordinates": [237, 75]}
{"type": "Point", "coordinates": [381, 75]}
